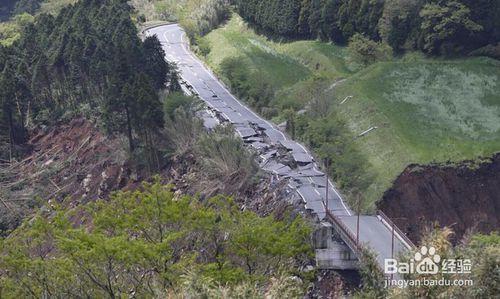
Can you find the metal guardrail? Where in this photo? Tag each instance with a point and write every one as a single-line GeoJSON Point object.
{"type": "Point", "coordinates": [396, 228]}
{"type": "Point", "coordinates": [350, 239]}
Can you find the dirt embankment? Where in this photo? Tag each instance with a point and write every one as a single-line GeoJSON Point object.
{"type": "Point", "coordinates": [71, 164]}
{"type": "Point", "coordinates": [464, 197]}
{"type": "Point", "coordinates": [75, 163]}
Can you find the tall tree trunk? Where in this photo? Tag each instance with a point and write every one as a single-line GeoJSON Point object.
{"type": "Point", "coordinates": [11, 132]}
{"type": "Point", "coordinates": [23, 119]}
{"type": "Point", "coordinates": [129, 131]}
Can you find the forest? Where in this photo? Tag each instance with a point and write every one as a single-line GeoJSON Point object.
{"type": "Point", "coordinates": [87, 61]}
{"type": "Point", "coordinates": [437, 27]}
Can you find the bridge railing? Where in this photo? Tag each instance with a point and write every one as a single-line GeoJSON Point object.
{"type": "Point", "coordinates": [350, 239]}
{"type": "Point", "coordinates": [396, 229]}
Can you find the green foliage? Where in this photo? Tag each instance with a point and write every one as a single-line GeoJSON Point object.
{"type": "Point", "coordinates": [205, 16]}
{"type": "Point", "coordinates": [251, 86]}
{"type": "Point", "coordinates": [183, 127]}
{"type": "Point", "coordinates": [330, 138]}
{"type": "Point", "coordinates": [226, 158]}
{"type": "Point", "coordinates": [437, 26]}
{"type": "Point", "coordinates": [366, 51]}
{"type": "Point", "coordinates": [27, 6]}
{"type": "Point", "coordinates": [89, 56]}
{"type": "Point", "coordinates": [372, 277]}
{"type": "Point", "coordinates": [202, 45]}
{"type": "Point", "coordinates": [445, 26]}
{"type": "Point", "coordinates": [177, 100]}
{"type": "Point", "coordinates": [144, 243]}
{"type": "Point", "coordinates": [13, 96]}
{"type": "Point", "coordinates": [10, 8]}
{"type": "Point", "coordinates": [11, 31]}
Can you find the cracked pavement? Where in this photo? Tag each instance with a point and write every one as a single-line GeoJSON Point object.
{"type": "Point", "coordinates": [278, 154]}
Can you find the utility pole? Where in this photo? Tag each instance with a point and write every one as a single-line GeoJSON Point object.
{"type": "Point", "coordinates": [357, 221]}
{"type": "Point", "coordinates": [392, 248]}
{"type": "Point", "coordinates": [327, 184]}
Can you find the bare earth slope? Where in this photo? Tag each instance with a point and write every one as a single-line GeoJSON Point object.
{"type": "Point", "coordinates": [463, 197]}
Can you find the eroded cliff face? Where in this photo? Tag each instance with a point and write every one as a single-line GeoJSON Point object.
{"type": "Point", "coordinates": [464, 197]}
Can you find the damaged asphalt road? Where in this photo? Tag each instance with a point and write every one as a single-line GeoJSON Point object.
{"type": "Point", "coordinates": [279, 155]}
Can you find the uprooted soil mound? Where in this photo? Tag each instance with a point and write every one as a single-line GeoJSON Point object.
{"type": "Point", "coordinates": [465, 197]}
{"type": "Point", "coordinates": [69, 163]}
{"type": "Point", "coordinates": [74, 163]}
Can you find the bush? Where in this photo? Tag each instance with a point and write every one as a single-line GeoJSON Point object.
{"type": "Point", "coordinates": [367, 51]}
{"type": "Point", "coordinates": [177, 100]}
{"type": "Point", "coordinates": [205, 16]}
{"type": "Point", "coordinates": [226, 158]}
{"type": "Point", "coordinates": [331, 139]}
{"type": "Point", "coordinates": [203, 46]}
{"type": "Point", "coordinates": [250, 86]}
{"type": "Point", "coordinates": [236, 71]}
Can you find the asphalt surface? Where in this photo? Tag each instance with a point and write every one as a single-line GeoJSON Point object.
{"type": "Point", "coordinates": [278, 154]}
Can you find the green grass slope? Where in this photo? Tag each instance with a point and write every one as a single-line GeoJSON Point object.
{"type": "Point", "coordinates": [425, 111]}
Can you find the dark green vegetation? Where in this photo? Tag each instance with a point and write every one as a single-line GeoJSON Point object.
{"type": "Point", "coordinates": [86, 61]}
{"type": "Point", "coordinates": [151, 243]}
{"type": "Point", "coordinates": [433, 26]}
{"type": "Point", "coordinates": [425, 109]}
{"type": "Point", "coordinates": [9, 8]}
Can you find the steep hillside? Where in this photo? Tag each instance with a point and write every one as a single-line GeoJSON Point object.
{"type": "Point", "coordinates": [75, 163]}
{"type": "Point", "coordinates": [70, 164]}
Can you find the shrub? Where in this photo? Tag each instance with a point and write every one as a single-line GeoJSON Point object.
{"type": "Point", "coordinates": [367, 51]}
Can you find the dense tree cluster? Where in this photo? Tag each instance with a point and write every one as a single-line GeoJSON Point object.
{"type": "Point", "coordinates": [10, 8]}
{"type": "Point", "coordinates": [87, 57]}
{"type": "Point", "coordinates": [434, 26]}
{"type": "Point", "coordinates": [142, 244]}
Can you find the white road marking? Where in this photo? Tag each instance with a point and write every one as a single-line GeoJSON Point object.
{"type": "Point", "coordinates": [203, 67]}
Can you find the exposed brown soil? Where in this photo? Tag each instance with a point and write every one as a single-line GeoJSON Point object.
{"type": "Point", "coordinates": [70, 164]}
{"type": "Point", "coordinates": [464, 197]}
{"type": "Point", "coordinates": [75, 163]}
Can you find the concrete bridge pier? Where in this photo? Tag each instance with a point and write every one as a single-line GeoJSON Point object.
{"type": "Point", "coordinates": [331, 251]}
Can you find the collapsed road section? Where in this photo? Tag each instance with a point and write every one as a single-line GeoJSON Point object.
{"type": "Point", "coordinates": [279, 154]}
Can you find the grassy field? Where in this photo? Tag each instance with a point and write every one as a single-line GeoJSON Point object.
{"type": "Point", "coordinates": [425, 110]}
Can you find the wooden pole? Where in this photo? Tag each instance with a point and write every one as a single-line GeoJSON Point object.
{"type": "Point", "coordinates": [357, 222]}
{"type": "Point", "coordinates": [327, 185]}
{"type": "Point", "coordinates": [392, 246]}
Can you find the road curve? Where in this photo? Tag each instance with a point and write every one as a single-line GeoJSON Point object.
{"type": "Point", "coordinates": [279, 154]}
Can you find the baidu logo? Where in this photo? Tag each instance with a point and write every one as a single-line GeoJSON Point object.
{"type": "Point", "coordinates": [425, 261]}
{"type": "Point", "coordinates": [428, 261]}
